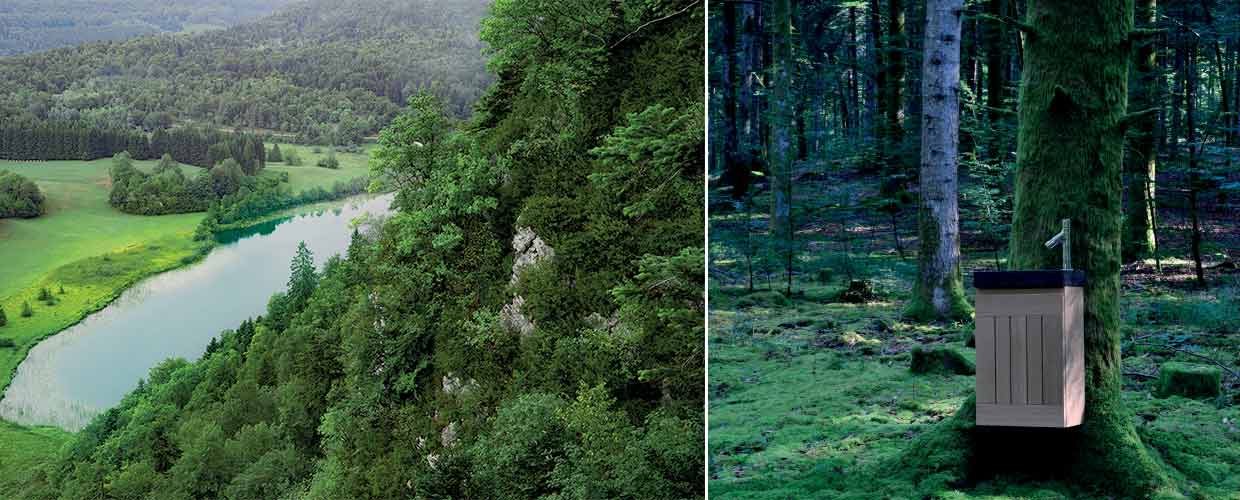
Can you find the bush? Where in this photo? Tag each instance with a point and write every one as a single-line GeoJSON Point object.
{"type": "Point", "coordinates": [19, 197]}
{"type": "Point", "coordinates": [45, 296]}
{"type": "Point", "coordinates": [4, 319]}
{"type": "Point", "coordinates": [26, 310]}
{"type": "Point", "coordinates": [7, 344]}
{"type": "Point", "coordinates": [330, 160]}
{"type": "Point", "coordinates": [291, 158]}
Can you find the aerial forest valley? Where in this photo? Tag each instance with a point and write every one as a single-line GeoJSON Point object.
{"type": "Point", "coordinates": [347, 249]}
{"type": "Point", "coordinates": [885, 175]}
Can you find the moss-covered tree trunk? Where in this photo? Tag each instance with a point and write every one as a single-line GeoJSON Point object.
{"type": "Point", "coordinates": [780, 151]}
{"type": "Point", "coordinates": [1069, 153]}
{"type": "Point", "coordinates": [1141, 162]}
{"type": "Point", "coordinates": [938, 292]}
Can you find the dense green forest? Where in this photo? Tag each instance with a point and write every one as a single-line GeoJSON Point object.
{"type": "Point", "coordinates": [869, 157]}
{"type": "Point", "coordinates": [324, 71]}
{"type": "Point", "coordinates": [34, 25]}
{"type": "Point", "coordinates": [528, 323]}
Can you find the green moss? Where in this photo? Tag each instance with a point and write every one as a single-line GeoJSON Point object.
{"type": "Point", "coordinates": [1189, 380]}
{"type": "Point", "coordinates": [941, 360]}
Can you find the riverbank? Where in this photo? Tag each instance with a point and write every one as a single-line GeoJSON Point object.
{"type": "Point", "coordinates": [89, 285]}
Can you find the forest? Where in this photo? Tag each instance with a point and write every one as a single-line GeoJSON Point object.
{"type": "Point", "coordinates": [870, 159]}
{"type": "Point", "coordinates": [35, 25]}
{"type": "Point", "coordinates": [322, 72]}
{"type": "Point", "coordinates": [479, 342]}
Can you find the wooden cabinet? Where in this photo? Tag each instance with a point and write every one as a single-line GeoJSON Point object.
{"type": "Point", "coordinates": [1030, 348]}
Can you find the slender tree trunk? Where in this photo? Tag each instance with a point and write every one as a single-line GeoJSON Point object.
{"type": "Point", "coordinates": [996, 77]}
{"type": "Point", "coordinates": [748, 70]}
{"type": "Point", "coordinates": [894, 97]}
{"type": "Point", "coordinates": [1141, 162]}
{"type": "Point", "coordinates": [1069, 156]}
{"type": "Point", "coordinates": [735, 172]}
{"type": "Point", "coordinates": [1194, 153]}
{"type": "Point", "coordinates": [1177, 99]}
{"type": "Point", "coordinates": [939, 292]}
{"type": "Point", "coordinates": [853, 61]}
{"type": "Point", "coordinates": [781, 153]}
{"type": "Point", "coordinates": [876, 88]}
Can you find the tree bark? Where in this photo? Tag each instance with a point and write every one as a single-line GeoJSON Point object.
{"type": "Point", "coordinates": [748, 67]}
{"type": "Point", "coordinates": [876, 88]}
{"type": "Point", "coordinates": [939, 292]}
{"type": "Point", "coordinates": [735, 173]}
{"type": "Point", "coordinates": [996, 38]}
{"type": "Point", "coordinates": [1141, 163]}
{"type": "Point", "coordinates": [780, 150]}
{"type": "Point", "coordinates": [1069, 155]}
{"type": "Point", "coordinates": [893, 97]}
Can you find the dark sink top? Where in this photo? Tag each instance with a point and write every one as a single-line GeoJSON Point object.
{"type": "Point", "coordinates": [999, 280]}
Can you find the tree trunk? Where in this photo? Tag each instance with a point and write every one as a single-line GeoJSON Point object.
{"type": "Point", "coordinates": [781, 151]}
{"type": "Point", "coordinates": [996, 38]}
{"type": "Point", "coordinates": [939, 292]}
{"type": "Point", "coordinates": [875, 88]}
{"type": "Point", "coordinates": [748, 67]}
{"type": "Point", "coordinates": [735, 173]}
{"type": "Point", "coordinates": [1141, 162]}
{"type": "Point", "coordinates": [1069, 155]}
{"type": "Point", "coordinates": [893, 97]}
{"type": "Point", "coordinates": [1194, 153]}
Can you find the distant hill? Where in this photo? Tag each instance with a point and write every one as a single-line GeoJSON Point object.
{"type": "Point", "coordinates": [34, 25]}
{"type": "Point", "coordinates": [329, 71]}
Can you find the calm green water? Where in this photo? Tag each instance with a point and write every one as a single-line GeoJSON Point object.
{"type": "Point", "coordinates": [72, 376]}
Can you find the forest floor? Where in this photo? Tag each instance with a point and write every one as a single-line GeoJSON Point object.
{"type": "Point", "coordinates": [94, 252]}
{"type": "Point", "coordinates": [811, 397]}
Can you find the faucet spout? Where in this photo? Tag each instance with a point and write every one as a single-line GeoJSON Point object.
{"type": "Point", "coordinates": [1063, 239]}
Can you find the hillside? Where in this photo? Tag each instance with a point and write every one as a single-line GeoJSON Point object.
{"type": "Point", "coordinates": [528, 323]}
{"type": "Point", "coordinates": [329, 71]}
{"type": "Point", "coordinates": [34, 25]}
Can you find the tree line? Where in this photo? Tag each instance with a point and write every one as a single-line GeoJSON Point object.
{"type": "Point", "coordinates": [197, 146]}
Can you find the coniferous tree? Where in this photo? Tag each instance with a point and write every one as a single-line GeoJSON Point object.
{"type": "Point", "coordinates": [938, 292]}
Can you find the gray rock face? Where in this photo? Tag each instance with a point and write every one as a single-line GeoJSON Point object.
{"type": "Point", "coordinates": [528, 249]}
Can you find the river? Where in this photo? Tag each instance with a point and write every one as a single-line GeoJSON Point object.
{"type": "Point", "coordinates": [74, 375]}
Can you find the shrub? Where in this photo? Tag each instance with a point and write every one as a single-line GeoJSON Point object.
{"type": "Point", "coordinates": [292, 159]}
{"type": "Point", "coordinates": [4, 320]}
{"type": "Point", "coordinates": [45, 296]}
{"type": "Point", "coordinates": [19, 197]}
{"type": "Point", "coordinates": [330, 160]}
{"type": "Point", "coordinates": [26, 310]}
{"type": "Point", "coordinates": [7, 344]}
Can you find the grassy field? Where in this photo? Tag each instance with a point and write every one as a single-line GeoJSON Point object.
{"type": "Point", "coordinates": [23, 449]}
{"type": "Point", "coordinates": [812, 397]}
{"type": "Point", "coordinates": [309, 175]}
{"type": "Point", "coordinates": [79, 223]}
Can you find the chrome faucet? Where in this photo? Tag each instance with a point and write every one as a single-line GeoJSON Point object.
{"type": "Point", "coordinates": [1064, 239]}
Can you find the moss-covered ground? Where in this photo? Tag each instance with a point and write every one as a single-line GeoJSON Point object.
{"type": "Point", "coordinates": [812, 397]}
